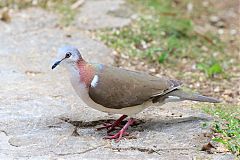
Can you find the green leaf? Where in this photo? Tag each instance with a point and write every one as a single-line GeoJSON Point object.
{"type": "Point", "coordinates": [210, 69]}
{"type": "Point", "coordinates": [215, 69]}
{"type": "Point", "coordinates": [163, 57]}
{"type": "Point", "coordinates": [220, 140]}
{"type": "Point", "coordinates": [204, 125]}
{"type": "Point", "coordinates": [218, 128]}
{"type": "Point", "coordinates": [201, 66]}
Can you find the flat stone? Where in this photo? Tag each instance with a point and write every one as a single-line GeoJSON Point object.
{"type": "Point", "coordinates": [97, 14]}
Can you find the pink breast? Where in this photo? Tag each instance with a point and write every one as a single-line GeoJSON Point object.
{"type": "Point", "coordinates": [86, 72]}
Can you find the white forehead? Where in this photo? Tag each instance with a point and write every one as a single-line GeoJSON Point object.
{"type": "Point", "coordinates": [63, 50]}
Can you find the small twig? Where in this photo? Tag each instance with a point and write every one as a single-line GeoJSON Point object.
{"type": "Point", "coordinates": [204, 36]}
{"type": "Point", "coordinates": [77, 4]}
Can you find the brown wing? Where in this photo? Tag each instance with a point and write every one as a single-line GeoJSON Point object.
{"type": "Point", "coordinates": [119, 88]}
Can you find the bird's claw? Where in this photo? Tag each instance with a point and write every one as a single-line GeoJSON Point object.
{"type": "Point", "coordinates": [110, 127]}
{"type": "Point", "coordinates": [117, 136]}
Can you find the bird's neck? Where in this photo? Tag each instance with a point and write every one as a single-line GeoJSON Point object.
{"type": "Point", "coordinates": [85, 71]}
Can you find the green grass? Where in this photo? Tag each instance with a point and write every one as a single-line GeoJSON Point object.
{"type": "Point", "coordinates": [62, 7]}
{"type": "Point", "coordinates": [227, 125]}
{"type": "Point", "coordinates": [21, 4]}
{"type": "Point", "coordinates": [210, 68]}
{"type": "Point", "coordinates": [165, 33]}
{"type": "Point", "coordinates": [67, 14]}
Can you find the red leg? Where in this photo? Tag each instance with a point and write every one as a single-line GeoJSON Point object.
{"type": "Point", "coordinates": [111, 127]}
{"type": "Point", "coordinates": [119, 135]}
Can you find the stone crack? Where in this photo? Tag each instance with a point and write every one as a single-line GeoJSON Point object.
{"type": "Point", "coordinates": [82, 152]}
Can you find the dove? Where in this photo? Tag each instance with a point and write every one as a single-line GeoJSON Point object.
{"type": "Point", "coordinates": [119, 91]}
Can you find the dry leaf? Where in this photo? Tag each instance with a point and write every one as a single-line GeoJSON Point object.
{"type": "Point", "coordinates": [207, 147]}
{"type": "Point", "coordinates": [5, 15]}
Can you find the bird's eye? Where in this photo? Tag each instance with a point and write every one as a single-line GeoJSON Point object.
{"type": "Point", "coordinates": [68, 54]}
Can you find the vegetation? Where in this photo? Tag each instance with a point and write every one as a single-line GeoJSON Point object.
{"type": "Point", "coordinates": [62, 7]}
{"type": "Point", "coordinates": [227, 126]}
{"type": "Point", "coordinates": [165, 34]}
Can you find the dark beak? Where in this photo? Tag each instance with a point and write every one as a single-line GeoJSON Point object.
{"type": "Point", "coordinates": [55, 64]}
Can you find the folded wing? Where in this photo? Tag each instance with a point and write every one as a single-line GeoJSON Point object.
{"type": "Point", "coordinates": [119, 88]}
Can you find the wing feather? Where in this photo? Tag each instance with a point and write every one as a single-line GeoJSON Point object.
{"type": "Point", "coordinates": [119, 88]}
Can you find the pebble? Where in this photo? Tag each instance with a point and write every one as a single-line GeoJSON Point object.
{"type": "Point", "coordinates": [197, 85]}
{"type": "Point", "coordinates": [220, 31]}
{"type": "Point", "coordinates": [134, 16]}
{"type": "Point", "coordinates": [189, 7]}
{"type": "Point", "coordinates": [233, 32]}
{"type": "Point", "coordinates": [205, 3]}
{"type": "Point", "coordinates": [144, 44]}
{"type": "Point", "coordinates": [215, 54]}
{"type": "Point", "coordinates": [163, 33]}
{"type": "Point", "coordinates": [204, 48]}
{"type": "Point", "coordinates": [217, 89]}
{"type": "Point", "coordinates": [220, 24]}
{"type": "Point", "coordinates": [152, 70]}
{"type": "Point", "coordinates": [214, 19]}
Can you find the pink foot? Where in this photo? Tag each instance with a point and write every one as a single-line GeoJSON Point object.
{"type": "Point", "coordinates": [124, 134]}
{"type": "Point", "coordinates": [111, 127]}
{"type": "Point", "coordinates": [118, 136]}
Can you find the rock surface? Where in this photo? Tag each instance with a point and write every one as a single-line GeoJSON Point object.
{"type": "Point", "coordinates": [97, 14]}
{"type": "Point", "coordinates": [39, 110]}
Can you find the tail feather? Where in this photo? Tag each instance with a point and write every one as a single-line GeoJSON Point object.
{"type": "Point", "coordinates": [191, 96]}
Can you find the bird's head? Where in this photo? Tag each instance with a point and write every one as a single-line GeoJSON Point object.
{"type": "Point", "coordinates": [67, 55]}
